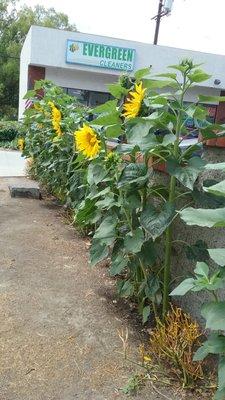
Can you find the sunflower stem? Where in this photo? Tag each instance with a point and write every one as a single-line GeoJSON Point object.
{"type": "Point", "coordinates": [172, 198]}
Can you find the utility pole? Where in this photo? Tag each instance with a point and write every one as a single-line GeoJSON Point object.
{"type": "Point", "coordinates": [158, 20]}
{"type": "Point", "coordinates": [164, 8]}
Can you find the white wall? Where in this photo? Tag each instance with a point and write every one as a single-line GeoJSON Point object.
{"type": "Point", "coordinates": [193, 93]}
{"type": "Point", "coordinates": [79, 79]}
{"type": "Point", "coordinates": [24, 62]}
{"type": "Point", "coordinates": [98, 82]}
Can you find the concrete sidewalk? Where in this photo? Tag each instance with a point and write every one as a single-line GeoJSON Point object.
{"type": "Point", "coordinates": [12, 164]}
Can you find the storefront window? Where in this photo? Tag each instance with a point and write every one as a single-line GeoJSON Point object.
{"type": "Point", "coordinates": [97, 98]}
{"type": "Point", "coordinates": [88, 97]}
{"type": "Point", "coordinates": [81, 95]}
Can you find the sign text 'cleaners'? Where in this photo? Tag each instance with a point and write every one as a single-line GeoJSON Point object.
{"type": "Point", "coordinates": [100, 55]}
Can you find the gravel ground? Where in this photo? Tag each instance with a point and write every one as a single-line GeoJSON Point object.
{"type": "Point", "coordinates": [58, 319]}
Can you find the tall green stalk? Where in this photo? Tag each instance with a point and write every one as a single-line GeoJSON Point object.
{"type": "Point", "coordinates": [172, 196]}
{"type": "Point", "coordinates": [168, 251]}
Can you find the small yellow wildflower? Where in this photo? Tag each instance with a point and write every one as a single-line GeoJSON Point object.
{"type": "Point", "coordinates": [147, 359]}
{"type": "Point", "coordinates": [20, 144]}
{"type": "Point", "coordinates": [133, 104]}
{"type": "Point", "coordinates": [87, 141]}
{"type": "Point", "coordinates": [56, 118]}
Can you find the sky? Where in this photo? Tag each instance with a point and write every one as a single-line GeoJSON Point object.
{"type": "Point", "coordinates": [193, 24]}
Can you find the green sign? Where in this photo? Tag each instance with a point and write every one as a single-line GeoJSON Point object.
{"type": "Point", "coordinates": [100, 55]}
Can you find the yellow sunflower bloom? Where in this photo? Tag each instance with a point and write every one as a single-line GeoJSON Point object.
{"type": "Point", "coordinates": [133, 104]}
{"type": "Point", "coordinates": [56, 118]}
{"type": "Point", "coordinates": [87, 141]}
{"type": "Point", "coordinates": [20, 144]}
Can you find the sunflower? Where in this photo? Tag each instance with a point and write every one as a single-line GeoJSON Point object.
{"type": "Point", "coordinates": [56, 118]}
{"type": "Point", "coordinates": [21, 144]}
{"type": "Point", "coordinates": [87, 141]}
{"type": "Point", "coordinates": [133, 104]}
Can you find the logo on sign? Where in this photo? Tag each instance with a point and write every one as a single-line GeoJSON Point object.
{"type": "Point", "coordinates": [74, 47]}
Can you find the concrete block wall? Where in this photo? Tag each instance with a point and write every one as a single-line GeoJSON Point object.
{"type": "Point", "coordinates": [214, 237]}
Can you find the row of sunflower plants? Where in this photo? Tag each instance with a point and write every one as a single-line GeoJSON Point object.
{"type": "Point", "coordinates": [114, 192]}
{"type": "Point", "coordinates": [47, 139]}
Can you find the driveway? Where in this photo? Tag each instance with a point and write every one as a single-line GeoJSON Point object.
{"type": "Point", "coordinates": [12, 163]}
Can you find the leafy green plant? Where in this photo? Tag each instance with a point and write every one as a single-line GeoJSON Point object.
{"type": "Point", "coordinates": [12, 145]}
{"type": "Point", "coordinates": [114, 193]}
{"type": "Point", "coordinates": [54, 161]}
{"type": "Point", "coordinates": [137, 215]}
{"type": "Point", "coordinates": [134, 383]}
{"type": "Point", "coordinates": [9, 130]}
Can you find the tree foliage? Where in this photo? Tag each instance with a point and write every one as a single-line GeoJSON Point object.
{"type": "Point", "coordinates": [14, 26]}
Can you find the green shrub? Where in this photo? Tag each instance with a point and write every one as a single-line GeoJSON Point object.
{"type": "Point", "coordinates": [8, 130]}
{"type": "Point", "coordinates": [12, 144]}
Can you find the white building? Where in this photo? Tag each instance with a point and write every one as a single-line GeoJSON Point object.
{"type": "Point", "coordinates": [84, 64]}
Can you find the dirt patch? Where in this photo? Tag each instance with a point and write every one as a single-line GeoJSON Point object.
{"type": "Point", "coordinates": [58, 318]}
